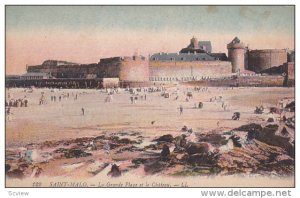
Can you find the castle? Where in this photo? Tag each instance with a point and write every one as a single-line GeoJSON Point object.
{"type": "Point", "coordinates": [192, 63]}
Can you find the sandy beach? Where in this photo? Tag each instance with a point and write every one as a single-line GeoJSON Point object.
{"type": "Point", "coordinates": [54, 128]}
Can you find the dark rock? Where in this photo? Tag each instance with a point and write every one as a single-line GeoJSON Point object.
{"type": "Point", "coordinates": [114, 138]}
{"type": "Point", "coordinates": [267, 135]}
{"type": "Point", "coordinates": [83, 140]}
{"type": "Point", "coordinates": [259, 110]}
{"type": "Point", "coordinates": [154, 166]}
{"type": "Point", "coordinates": [23, 166]}
{"type": "Point", "coordinates": [151, 146]}
{"type": "Point", "coordinates": [135, 133]}
{"type": "Point", "coordinates": [291, 151]}
{"type": "Point", "coordinates": [113, 145]}
{"type": "Point", "coordinates": [252, 134]}
{"type": "Point", "coordinates": [203, 159]}
{"type": "Point", "coordinates": [48, 144]}
{"type": "Point", "coordinates": [282, 164]}
{"type": "Point", "coordinates": [101, 137]}
{"type": "Point", "coordinates": [290, 122]}
{"type": "Point", "coordinates": [190, 130]}
{"type": "Point", "coordinates": [194, 148]}
{"type": "Point", "coordinates": [184, 128]}
{"type": "Point", "coordinates": [127, 141]}
{"type": "Point", "coordinates": [291, 106]}
{"type": "Point", "coordinates": [275, 110]}
{"type": "Point", "coordinates": [66, 143]}
{"type": "Point", "coordinates": [284, 132]}
{"type": "Point", "coordinates": [236, 141]}
{"type": "Point", "coordinates": [60, 150]}
{"type": "Point", "coordinates": [248, 127]}
{"type": "Point", "coordinates": [130, 149]}
{"type": "Point", "coordinates": [270, 120]}
{"type": "Point", "coordinates": [139, 161]}
{"type": "Point", "coordinates": [165, 138]}
{"type": "Point", "coordinates": [227, 133]}
{"type": "Point", "coordinates": [16, 173]}
{"type": "Point", "coordinates": [76, 153]}
{"type": "Point", "coordinates": [123, 133]}
{"type": "Point", "coordinates": [165, 151]}
{"type": "Point", "coordinates": [7, 168]}
{"type": "Point", "coordinates": [213, 138]}
{"type": "Point", "coordinates": [81, 144]}
{"type": "Point", "coordinates": [115, 171]}
{"type": "Point", "coordinates": [180, 142]}
{"type": "Point", "coordinates": [271, 128]}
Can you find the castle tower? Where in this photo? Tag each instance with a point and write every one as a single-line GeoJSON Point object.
{"type": "Point", "coordinates": [194, 43]}
{"type": "Point", "coordinates": [236, 54]}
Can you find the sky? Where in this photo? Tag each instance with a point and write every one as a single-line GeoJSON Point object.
{"type": "Point", "coordinates": [84, 34]}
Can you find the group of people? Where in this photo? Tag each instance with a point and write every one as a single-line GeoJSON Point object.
{"type": "Point", "coordinates": [135, 97]}
{"type": "Point", "coordinates": [17, 103]}
{"type": "Point", "coordinates": [224, 105]}
{"type": "Point", "coordinates": [201, 89]}
{"type": "Point", "coordinates": [63, 96]}
{"type": "Point", "coordinates": [14, 103]}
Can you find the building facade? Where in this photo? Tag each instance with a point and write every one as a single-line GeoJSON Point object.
{"type": "Point", "coordinates": [35, 76]}
{"type": "Point", "coordinates": [236, 55]}
{"type": "Point", "coordinates": [133, 69]}
{"type": "Point", "coordinates": [260, 60]}
{"type": "Point", "coordinates": [195, 62]}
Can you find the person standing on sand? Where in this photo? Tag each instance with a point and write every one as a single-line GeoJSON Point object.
{"type": "Point", "coordinates": [181, 109]}
{"type": "Point", "coordinates": [131, 99]}
{"type": "Point", "coordinates": [82, 111]}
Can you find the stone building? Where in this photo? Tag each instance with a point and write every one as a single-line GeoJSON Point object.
{"type": "Point", "coordinates": [197, 46]}
{"type": "Point", "coordinates": [194, 62]}
{"type": "Point", "coordinates": [135, 69]}
{"type": "Point", "coordinates": [263, 59]}
{"type": "Point", "coordinates": [236, 54]}
{"type": "Point", "coordinates": [35, 76]}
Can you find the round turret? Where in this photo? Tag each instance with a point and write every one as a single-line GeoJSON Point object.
{"type": "Point", "coordinates": [236, 54]}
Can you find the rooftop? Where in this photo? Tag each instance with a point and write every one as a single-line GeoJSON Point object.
{"type": "Point", "coordinates": [43, 74]}
{"type": "Point", "coordinates": [58, 62]}
{"type": "Point", "coordinates": [188, 56]}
